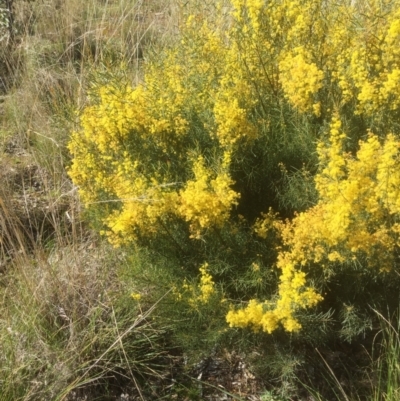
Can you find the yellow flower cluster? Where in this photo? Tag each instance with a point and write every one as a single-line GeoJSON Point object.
{"type": "Point", "coordinates": [106, 172]}
{"type": "Point", "coordinates": [315, 47]}
{"type": "Point", "coordinates": [364, 55]}
{"type": "Point", "coordinates": [136, 296]}
{"type": "Point", "coordinates": [134, 145]}
{"type": "Point", "coordinates": [207, 286]}
{"type": "Point", "coordinates": [265, 224]}
{"type": "Point", "coordinates": [359, 197]}
{"type": "Point", "coordinates": [206, 202]}
{"type": "Point", "coordinates": [293, 295]}
{"type": "Point", "coordinates": [232, 119]}
{"type": "Point", "coordinates": [255, 316]}
{"type": "Point", "coordinates": [300, 80]}
{"type": "Point", "coordinates": [202, 292]}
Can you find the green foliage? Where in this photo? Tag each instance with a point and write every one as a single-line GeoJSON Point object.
{"type": "Point", "coordinates": [386, 385]}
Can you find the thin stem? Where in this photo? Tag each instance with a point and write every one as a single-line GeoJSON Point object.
{"type": "Point", "coordinates": [171, 236]}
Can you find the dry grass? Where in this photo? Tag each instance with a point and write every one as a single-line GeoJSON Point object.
{"type": "Point", "coordinates": [63, 327]}
{"type": "Point", "coordinates": [67, 322]}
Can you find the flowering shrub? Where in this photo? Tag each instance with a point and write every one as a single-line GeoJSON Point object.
{"type": "Point", "coordinates": [356, 219]}
{"type": "Point", "coordinates": [198, 151]}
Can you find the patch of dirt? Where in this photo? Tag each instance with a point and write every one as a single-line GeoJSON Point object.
{"type": "Point", "coordinates": [220, 376]}
{"type": "Point", "coordinates": [215, 378]}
